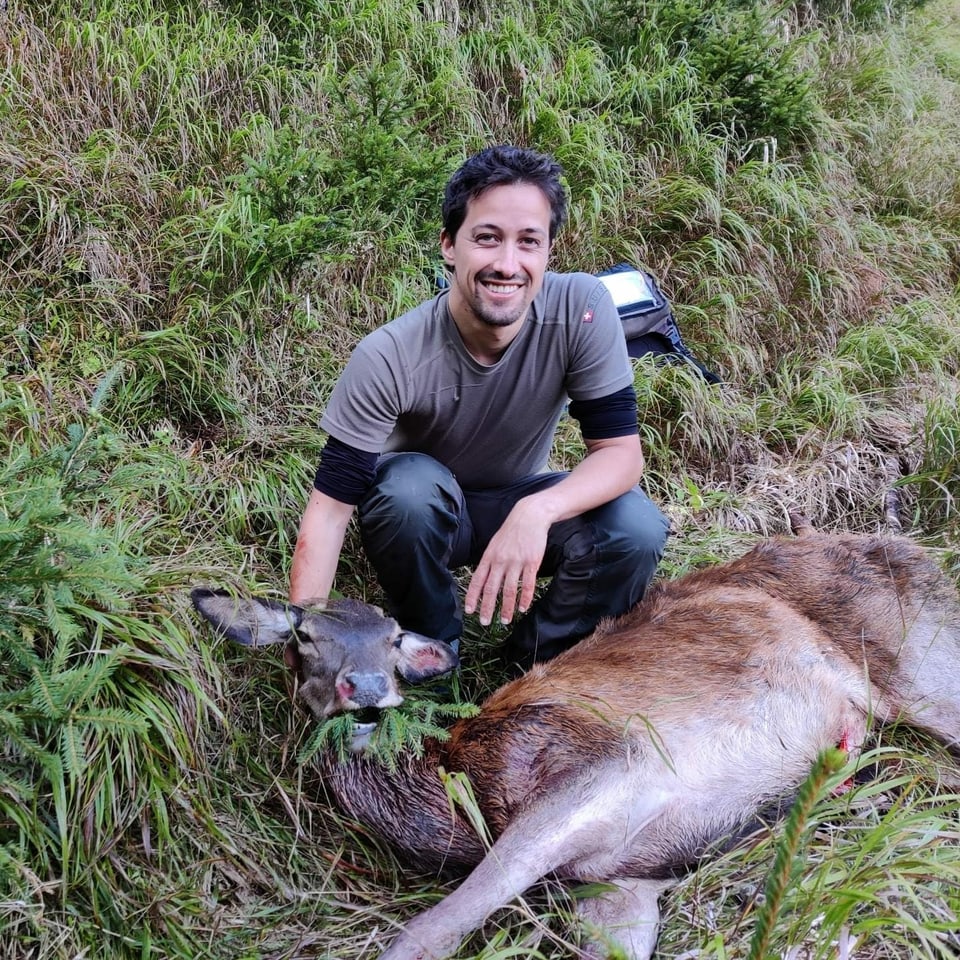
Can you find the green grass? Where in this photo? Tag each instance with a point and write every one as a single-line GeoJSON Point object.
{"type": "Point", "coordinates": [205, 206]}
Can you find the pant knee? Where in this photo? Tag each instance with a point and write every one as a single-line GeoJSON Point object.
{"type": "Point", "coordinates": [411, 493]}
{"type": "Point", "coordinates": [630, 530]}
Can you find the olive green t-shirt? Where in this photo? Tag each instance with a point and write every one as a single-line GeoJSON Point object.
{"type": "Point", "coordinates": [412, 386]}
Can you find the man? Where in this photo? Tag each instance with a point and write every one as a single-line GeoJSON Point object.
{"type": "Point", "coordinates": [443, 420]}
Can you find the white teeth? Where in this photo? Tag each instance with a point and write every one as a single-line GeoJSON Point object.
{"type": "Point", "coordinates": [500, 288]}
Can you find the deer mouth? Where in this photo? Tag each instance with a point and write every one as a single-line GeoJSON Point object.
{"type": "Point", "coordinates": [365, 723]}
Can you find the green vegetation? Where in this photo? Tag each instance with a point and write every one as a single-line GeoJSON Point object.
{"type": "Point", "coordinates": [204, 205]}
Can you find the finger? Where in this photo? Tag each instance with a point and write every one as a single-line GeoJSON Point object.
{"type": "Point", "coordinates": [475, 587]}
{"type": "Point", "coordinates": [508, 602]}
{"type": "Point", "coordinates": [491, 593]}
{"type": "Point", "coordinates": [528, 586]}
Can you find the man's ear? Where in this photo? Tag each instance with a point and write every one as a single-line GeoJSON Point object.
{"type": "Point", "coordinates": [446, 248]}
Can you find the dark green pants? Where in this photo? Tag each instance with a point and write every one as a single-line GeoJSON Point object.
{"type": "Point", "coordinates": [417, 525]}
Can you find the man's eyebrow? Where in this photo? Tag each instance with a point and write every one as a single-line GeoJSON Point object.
{"type": "Point", "coordinates": [498, 228]}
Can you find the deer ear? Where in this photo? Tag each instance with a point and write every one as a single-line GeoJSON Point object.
{"type": "Point", "coordinates": [422, 658]}
{"type": "Point", "coordinates": [253, 621]}
{"type": "Point", "coordinates": [292, 658]}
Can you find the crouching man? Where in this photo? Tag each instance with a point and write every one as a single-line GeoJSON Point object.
{"type": "Point", "coordinates": [441, 425]}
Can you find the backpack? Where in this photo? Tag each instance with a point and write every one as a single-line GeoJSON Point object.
{"type": "Point", "coordinates": [648, 322]}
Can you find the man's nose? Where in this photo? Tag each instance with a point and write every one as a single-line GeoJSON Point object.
{"type": "Point", "coordinates": [507, 259]}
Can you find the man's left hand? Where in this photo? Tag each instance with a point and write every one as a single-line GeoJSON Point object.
{"type": "Point", "coordinates": [510, 564]}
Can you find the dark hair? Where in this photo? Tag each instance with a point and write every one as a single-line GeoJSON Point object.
{"type": "Point", "coordinates": [501, 166]}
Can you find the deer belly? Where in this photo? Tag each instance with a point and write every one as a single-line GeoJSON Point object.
{"type": "Point", "coordinates": [660, 809]}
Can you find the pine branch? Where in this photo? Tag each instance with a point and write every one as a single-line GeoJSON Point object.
{"type": "Point", "coordinates": [402, 729]}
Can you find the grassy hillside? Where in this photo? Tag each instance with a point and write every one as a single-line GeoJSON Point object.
{"type": "Point", "coordinates": [204, 205]}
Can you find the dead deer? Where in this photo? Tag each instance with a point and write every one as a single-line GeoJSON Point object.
{"type": "Point", "coordinates": [626, 757]}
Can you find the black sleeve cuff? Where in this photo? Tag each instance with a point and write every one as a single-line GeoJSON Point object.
{"type": "Point", "coordinates": [614, 415]}
{"type": "Point", "coordinates": [345, 473]}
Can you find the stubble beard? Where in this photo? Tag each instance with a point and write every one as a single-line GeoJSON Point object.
{"type": "Point", "coordinates": [499, 320]}
{"type": "Point", "coordinates": [493, 316]}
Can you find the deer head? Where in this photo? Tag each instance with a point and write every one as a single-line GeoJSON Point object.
{"type": "Point", "coordinates": [346, 653]}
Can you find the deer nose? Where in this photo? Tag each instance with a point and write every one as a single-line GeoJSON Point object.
{"type": "Point", "coordinates": [364, 689]}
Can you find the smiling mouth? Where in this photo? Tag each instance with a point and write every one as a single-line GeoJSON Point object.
{"type": "Point", "coordinates": [500, 284]}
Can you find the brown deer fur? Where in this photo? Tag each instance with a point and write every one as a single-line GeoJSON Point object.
{"type": "Point", "coordinates": [669, 728]}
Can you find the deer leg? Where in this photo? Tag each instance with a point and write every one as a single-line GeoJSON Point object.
{"type": "Point", "coordinates": [627, 916]}
{"type": "Point", "coordinates": [575, 827]}
{"type": "Point", "coordinates": [928, 683]}
{"type": "Point", "coordinates": [502, 875]}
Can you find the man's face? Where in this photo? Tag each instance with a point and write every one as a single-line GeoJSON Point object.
{"type": "Point", "coordinates": [499, 255]}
